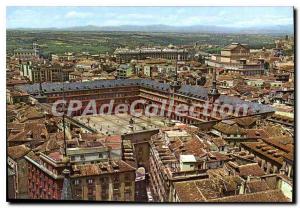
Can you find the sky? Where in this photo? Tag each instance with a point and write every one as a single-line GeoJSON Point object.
{"type": "Point", "coordinates": [61, 17]}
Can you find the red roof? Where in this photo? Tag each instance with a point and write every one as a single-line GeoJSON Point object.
{"type": "Point", "coordinates": [56, 156]}
{"type": "Point", "coordinates": [113, 139]}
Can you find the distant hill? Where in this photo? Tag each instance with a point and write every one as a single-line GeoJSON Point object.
{"type": "Point", "coordinates": [276, 29]}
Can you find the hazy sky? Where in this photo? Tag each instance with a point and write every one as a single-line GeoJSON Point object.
{"type": "Point", "coordinates": [41, 17]}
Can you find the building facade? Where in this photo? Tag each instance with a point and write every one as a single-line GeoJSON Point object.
{"type": "Point", "coordinates": [126, 55]}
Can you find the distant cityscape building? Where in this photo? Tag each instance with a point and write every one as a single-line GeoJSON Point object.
{"type": "Point", "coordinates": [124, 55]}
{"type": "Point", "coordinates": [213, 154]}
{"type": "Point", "coordinates": [131, 90]}
{"type": "Point", "coordinates": [46, 72]}
{"type": "Point", "coordinates": [26, 54]}
{"type": "Point", "coordinates": [124, 71]}
{"type": "Point", "coordinates": [234, 59]}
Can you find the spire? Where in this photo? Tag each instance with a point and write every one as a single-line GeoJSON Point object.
{"type": "Point", "coordinates": [175, 85]}
{"type": "Point", "coordinates": [66, 193]}
{"type": "Point", "coordinates": [213, 92]}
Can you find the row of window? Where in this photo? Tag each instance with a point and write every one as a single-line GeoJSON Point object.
{"type": "Point", "coordinates": [105, 180]}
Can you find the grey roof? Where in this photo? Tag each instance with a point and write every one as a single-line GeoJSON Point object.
{"type": "Point", "coordinates": [24, 50]}
{"type": "Point", "coordinates": [187, 90]}
{"type": "Point", "coordinates": [148, 50]}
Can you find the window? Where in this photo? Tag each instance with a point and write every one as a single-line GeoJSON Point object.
{"type": "Point", "coordinates": [82, 157]}
{"type": "Point", "coordinates": [90, 181]}
{"type": "Point", "coordinates": [77, 182]}
{"type": "Point", "coordinates": [100, 155]}
{"type": "Point", "coordinates": [90, 191]}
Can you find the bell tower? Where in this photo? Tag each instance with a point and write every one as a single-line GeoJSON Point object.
{"type": "Point", "coordinates": [213, 93]}
{"type": "Point", "coordinates": [175, 85]}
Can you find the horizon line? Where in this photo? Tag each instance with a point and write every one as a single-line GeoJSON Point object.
{"type": "Point", "coordinates": [137, 25]}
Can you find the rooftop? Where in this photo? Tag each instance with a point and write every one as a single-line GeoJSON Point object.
{"type": "Point", "coordinates": [101, 168]}
{"type": "Point", "coordinates": [187, 158]}
{"type": "Point", "coordinates": [119, 124]}
{"type": "Point", "coordinates": [206, 189]}
{"type": "Point", "coordinates": [17, 152]}
{"type": "Point", "coordinates": [187, 90]}
{"type": "Point", "coordinates": [266, 196]}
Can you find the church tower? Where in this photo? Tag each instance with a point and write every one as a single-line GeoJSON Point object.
{"type": "Point", "coordinates": [213, 93]}
{"type": "Point", "coordinates": [35, 47]}
{"type": "Point", "coordinates": [175, 85]}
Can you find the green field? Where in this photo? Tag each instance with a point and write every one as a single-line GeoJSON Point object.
{"type": "Point", "coordinates": [101, 42]}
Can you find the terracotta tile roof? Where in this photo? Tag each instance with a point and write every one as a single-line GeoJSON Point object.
{"type": "Point", "coordinates": [219, 172]}
{"type": "Point", "coordinates": [229, 129]}
{"type": "Point", "coordinates": [101, 168]}
{"type": "Point", "coordinates": [256, 133]}
{"type": "Point", "coordinates": [188, 192]}
{"type": "Point", "coordinates": [56, 155]}
{"type": "Point", "coordinates": [284, 143]}
{"type": "Point", "coordinates": [37, 130]}
{"type": "Point", "coordinates": [266, 150]}
{"type": "Point", "coordinates": [113, 139]}
{"type": "Point", "coordinates": [206, 189]}
{"type": "Point", "coordinates": [90, 136]}
{"type": "Point", "coordinates": [16, 93]}
{"type": "Point", "coordinates": [217, 156]}
{"type": "Point", "coordinates": [54, 143]}
{"type": "Point", "coordinates": [15, 126]}
{"type": "Point", "coordinates": [192, 146]}
{"type": "Point", "coordinates": [12, 82]}
{"type": "Point", "coordinates": [266, 196]}
{"type": "Point", "coordinates": [246, 121]}
{"type": "Point", "coordinates": [257, 186]}
{"type": "Point", "coordinates": [21, 136]}
{"type": "Point", "coordinates": [195, 147]}
{"type": "Point", "coordinates": [219, 142]}
{"type": "Point", "coordinates": [273, 130]}
{"type": "Point", "coordinates": [175, 144]}
{"type": "Point", "coordinates": [289, 156]}
{"type": "Point", "coordinates": [114, 146]}
{"type": "Point", "coordinates": [17, 152]}
{"type": "Point", "coordinates": [30, 114]}
{"type": "Point", "coordinates": [283, 118]}
{"type": "Point", "coordinates": [250, 170]}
